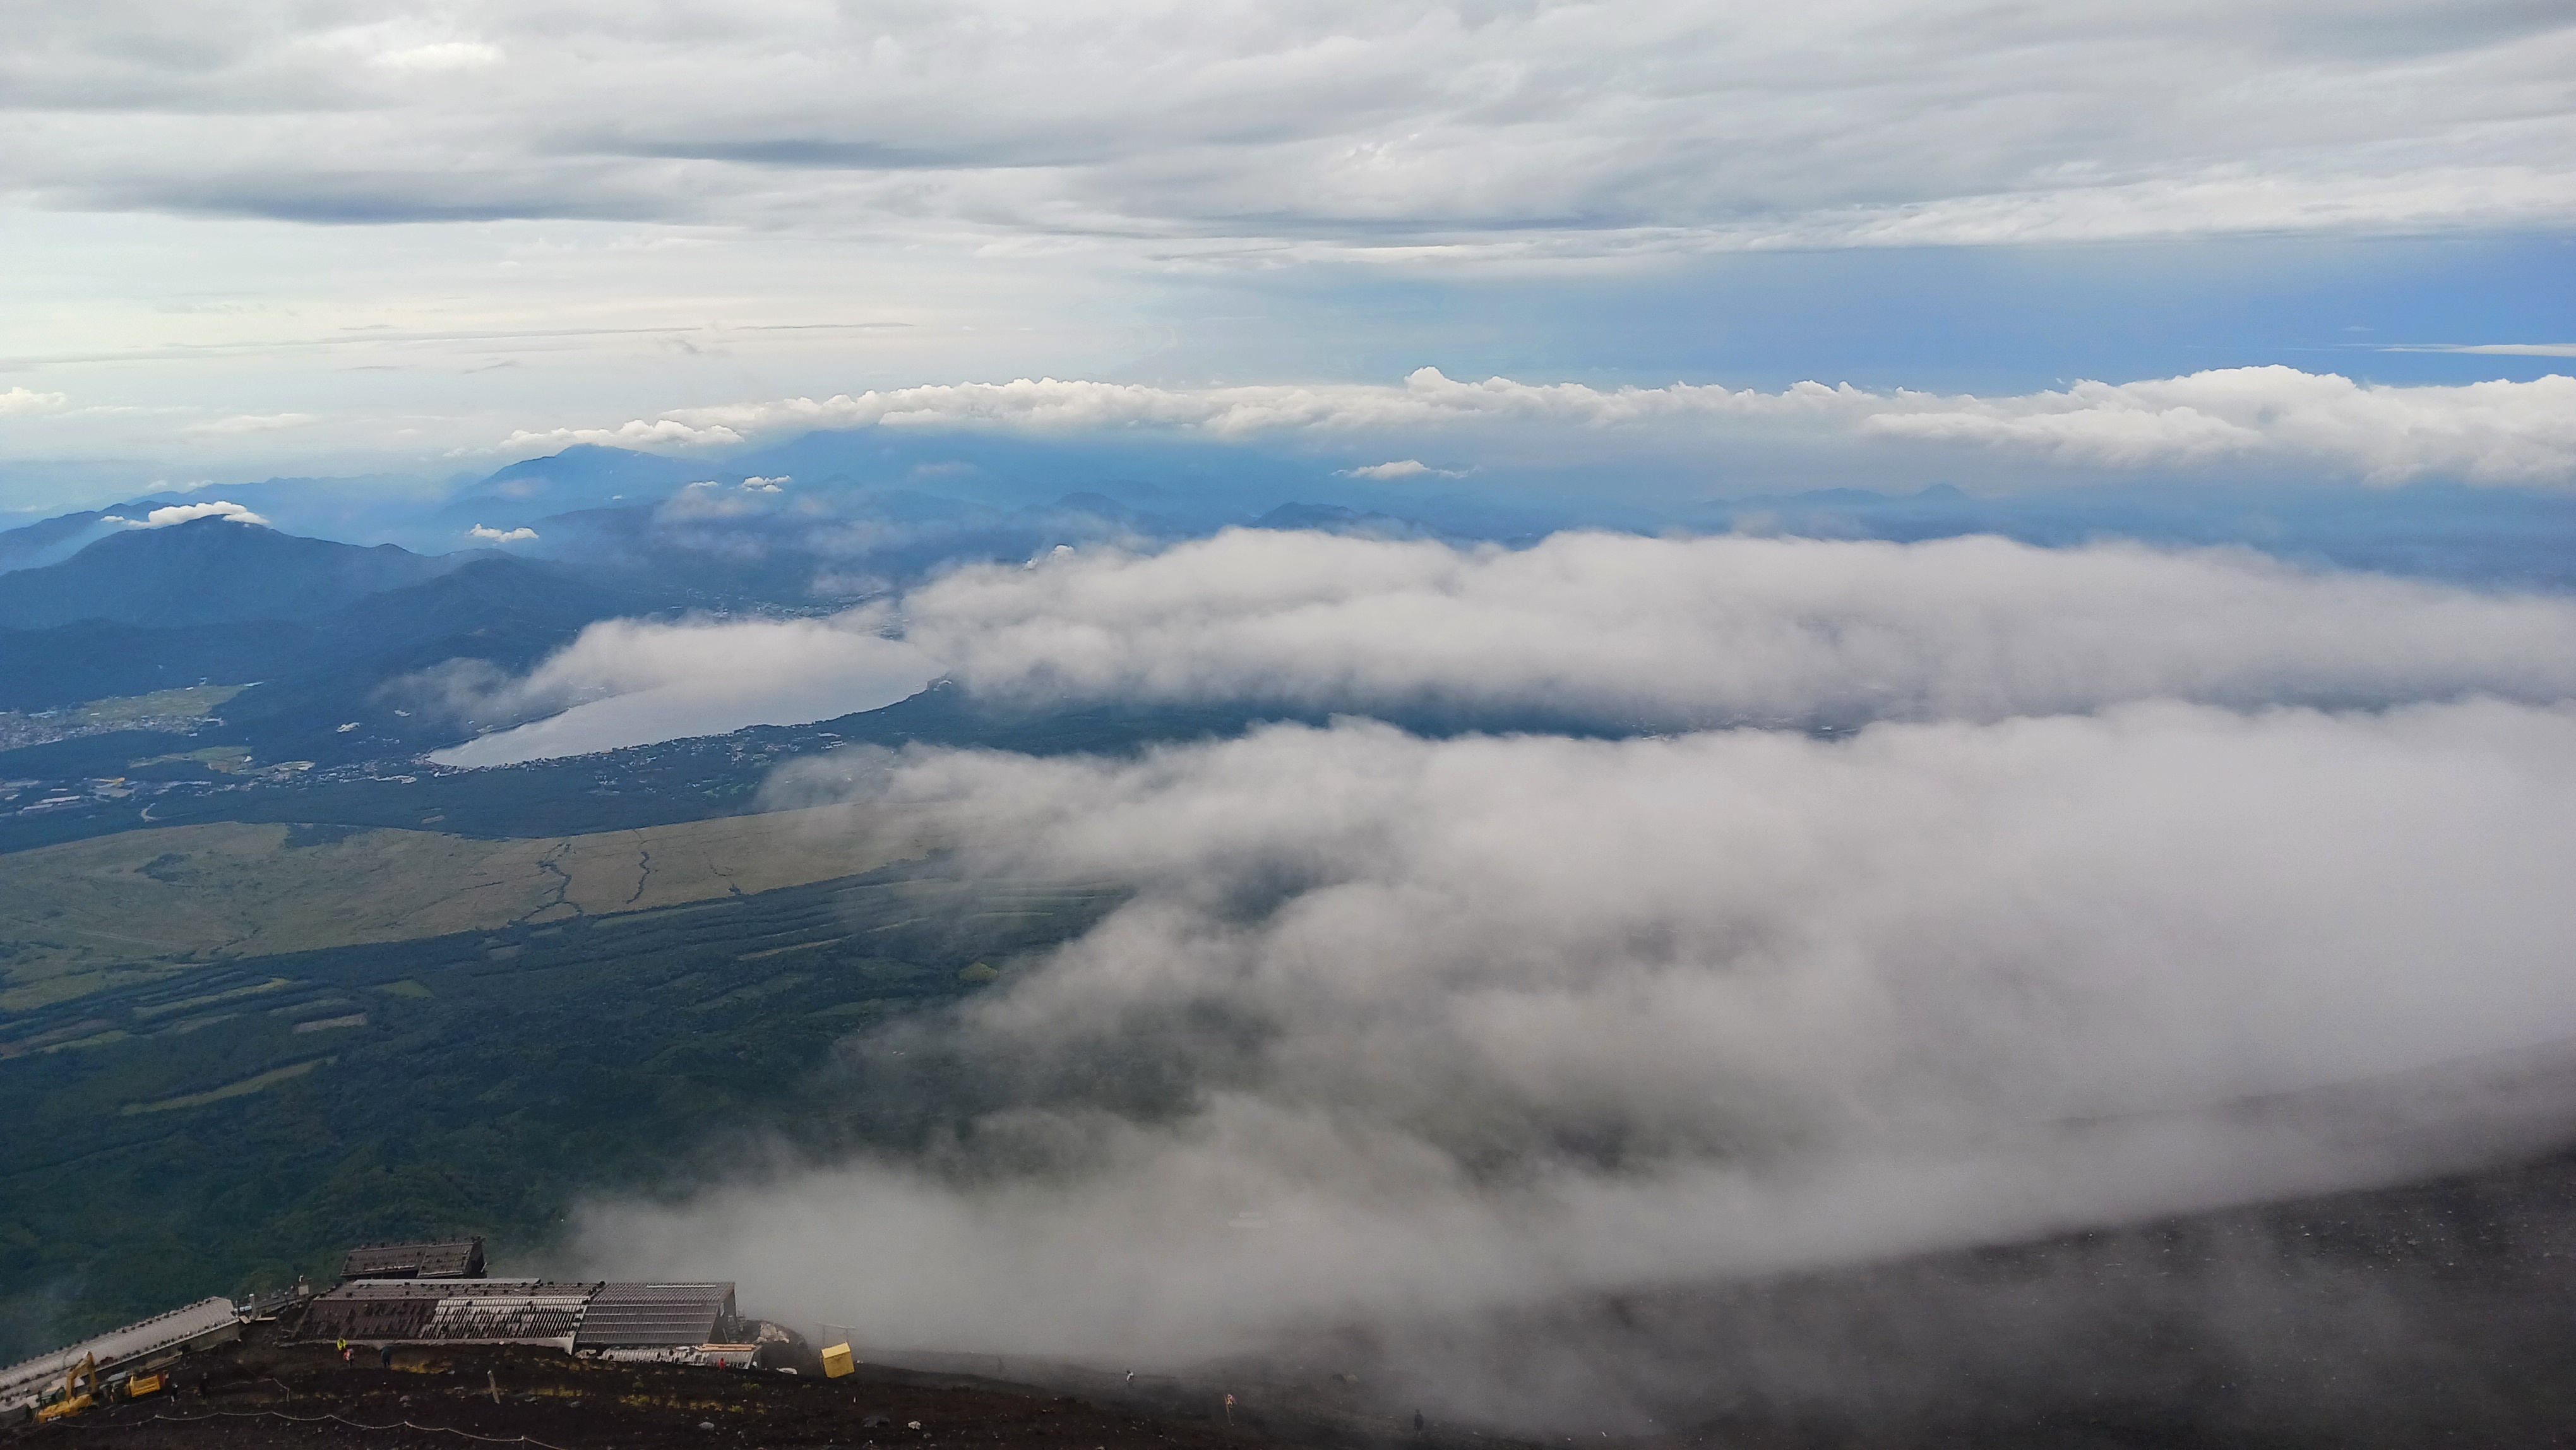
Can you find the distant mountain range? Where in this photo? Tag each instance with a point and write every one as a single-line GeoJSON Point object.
{"type": "Point", "coordinates": [1326, 518]}
{"type": "Point", "coordinates": [321, 626]}
{"type": "Point", "coordinates": [207, 571]}
{"type": "Point", "coordinates": [49, 540]}
{"type": "Point", "coordinates": [92, 607]}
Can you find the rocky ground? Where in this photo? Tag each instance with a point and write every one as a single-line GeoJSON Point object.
{"type": "Point", "coordinates": [256, 1395]}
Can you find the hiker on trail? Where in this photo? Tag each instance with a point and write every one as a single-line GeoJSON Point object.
{"type": "Point", "coordinates": [1417, 1422]}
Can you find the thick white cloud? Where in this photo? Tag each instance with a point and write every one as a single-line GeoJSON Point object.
{"type": "Point", "coordinates": [1399, 469]}
{"type": "Point", "coordinates": [2492, 432]}
{"type": "Point", "coordinates": [28, 400]}
{"type": "Point", "coordinates": [519, 535]}
{"type": "Point", "coordinates": [1485, 1020]}
{"type": "Point", "coordinates": [1384, 1026]}
{"type": "Point", "coordinates": [180, 513]}
{"type": "Point", "coordinates": [1599, 631]}
{"type": "Point", "coordinates": [1665, 633]}
{"type": "Point", "coordinates": [1236, 132]}
{"type": "Point", "coordinates": [627, 682]}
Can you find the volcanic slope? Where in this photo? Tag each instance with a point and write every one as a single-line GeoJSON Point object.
{"type": "Point", "coordinates": [256, 1396]}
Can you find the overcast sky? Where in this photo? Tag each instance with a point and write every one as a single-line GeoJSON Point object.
{"type": "Point", "coordinates": [342, 235]}
{"type": "Point", "coordinates": [2108, 835]}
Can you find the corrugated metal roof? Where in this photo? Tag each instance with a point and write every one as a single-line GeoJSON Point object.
{"type": "Point", "coordinates": [636, 1316]}
{"type": "Point", "coordinates": [441, 1259]}
{"type": "Point", "coordinates": [541, 1315]}
{"type": "Point", "coordinates": [371, 1317]}
{"type": "Point", "coordinates": [424, 1289]}
{"type": "Point", "coordinates": [435, 1309]}
{"type": "Point", "coordinates": [135, 1341]}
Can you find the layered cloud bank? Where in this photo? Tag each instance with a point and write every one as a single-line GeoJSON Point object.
{"type": "Point", "coordinates": [1001, 188]}
{"type": "Point", "coordinates": [1600, 632]}
{"type": "Point", "coordinates": [2147, 881]}
{"type": "Point", "coordinates": [2492, 432]}
{"type": "Point", "coordinates": [1670, 633]}
{"type": "Point", "coordinates": [1241, 134]}
{"type": "Point", "coordinates": [1393, 1027]}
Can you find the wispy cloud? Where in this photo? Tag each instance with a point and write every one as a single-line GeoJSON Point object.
{"type": "Point", "coordinates": [241, 423]}
{"type": "Point", "coordinates": [2491, 349]}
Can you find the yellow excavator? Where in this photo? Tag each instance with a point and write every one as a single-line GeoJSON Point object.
{"type": "Point", "coordinates": [80, 1391]}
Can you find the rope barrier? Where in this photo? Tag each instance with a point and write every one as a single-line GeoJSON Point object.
{"type": "Point", "coordinates": [318, 1419]}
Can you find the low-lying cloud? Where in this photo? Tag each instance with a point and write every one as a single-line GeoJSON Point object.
{"type": "Point", "coordinates": [629, 682]}
{"type": "Point", "coordinates": [1605, 633]}
{"type": "Point", "coordinates": [181, 513]}
{"type": "Point", "coordinates": [2147, 881]}
{"type": "Point", "coordinates": [1392, 1027]}
{"type": "Point", "coordinates": [2499, 432]}
{"type": "Point", "coordinates": [1663, 633]}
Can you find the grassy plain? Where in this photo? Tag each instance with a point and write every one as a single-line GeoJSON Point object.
{"type": "Point", "coordinates": [85, 915]}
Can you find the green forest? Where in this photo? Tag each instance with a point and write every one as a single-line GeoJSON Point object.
{"type": "Point", "coordinates": [223, 1128]}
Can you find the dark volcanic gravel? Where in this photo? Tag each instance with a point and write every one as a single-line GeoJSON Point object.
{"type": "Point", "coordinates": [259, 1396]}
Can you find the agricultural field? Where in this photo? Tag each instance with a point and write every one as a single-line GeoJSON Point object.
{"type": "Point", "coordinates": [162, 710]}
{"type": "Point", "coordinates": [81, 916]}
{"type": "Point", "coordinates": [188, 703]}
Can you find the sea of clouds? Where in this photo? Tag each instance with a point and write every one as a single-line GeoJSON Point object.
{"type": "Point", "coordinates": [1607, 632]}
{"type": "Point", "coordinates": [1478, 1022]}
{"type": "Point", "coordinates": [1895, 898]}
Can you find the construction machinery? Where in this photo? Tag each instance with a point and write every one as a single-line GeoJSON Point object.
{"type": "Point", "coordinates": [80, 1391]}
{"type": "Point", "coordinates": [119, 1361]}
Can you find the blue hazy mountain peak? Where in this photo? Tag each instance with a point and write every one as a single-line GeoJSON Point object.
{"type": "Point", "coordinates": [208, 571]}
